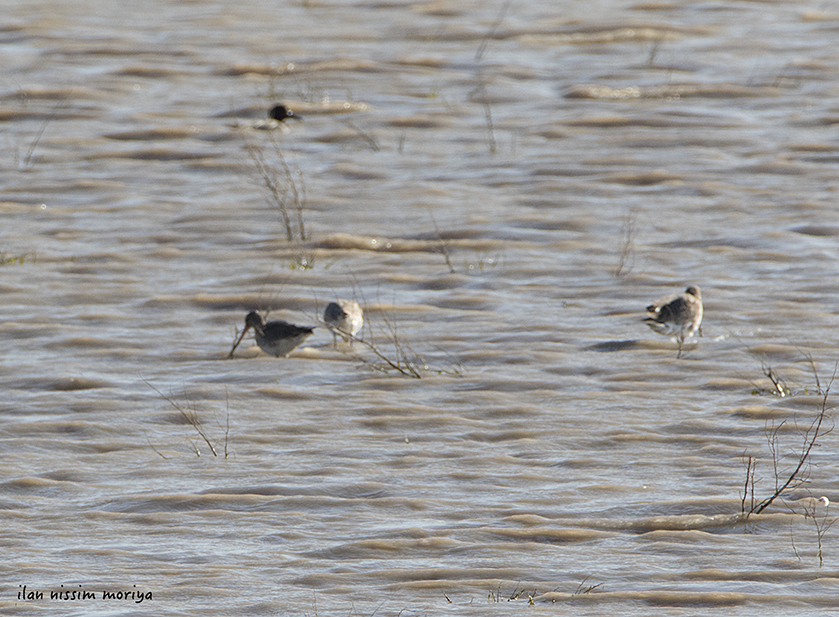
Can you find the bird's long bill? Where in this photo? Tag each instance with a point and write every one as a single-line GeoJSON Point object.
{"type": "Point", "coordinates": [239, 340]}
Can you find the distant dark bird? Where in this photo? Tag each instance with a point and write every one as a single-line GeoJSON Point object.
{"type": "Point", "coordinates": [276, 338]}
{"type": "Point", "coordinates": [281, 112]}
{"type": "Point", "coordinates": [678, 315]}
{"type": "Point", "coordinates": [344, 318]}
{"type": "Point", "coordinates": [274, 121]}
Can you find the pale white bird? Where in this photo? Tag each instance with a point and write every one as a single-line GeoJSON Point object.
{"type": "Point", "coordinates": [344, 318]}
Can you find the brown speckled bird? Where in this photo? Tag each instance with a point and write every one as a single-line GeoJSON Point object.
{"type": "Point", "coordinates": [678, 315]}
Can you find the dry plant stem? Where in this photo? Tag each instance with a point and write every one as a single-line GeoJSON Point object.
{"type": "Point", "coordinates": [821, 523]}
{"type": "Point", "coordinates": [653, 53]}
{"type": "Point", "coordinates": [400, 364]}
{"type": "Point", "coordinates": [792, 542]}
{"type": "Point", "coordinates": [191, 416]}
{"type": "Point", "coordinates": [779, 385]}
{"type": "Point", "coordinates": [158, 452]}
{"type": "Point", "coordinates": [626, 256]}
{"type": "Point", "coordinates": [798, 475]}
{"type": "Point", "coordinates": [284, 190]}
{"type": "Point", "coordinates": [482, 87]}
{"type": "Point", "coordinates": [404, 360]}
{"type": "Point", "coordinates": [28, 158]}
{"type": "Point", "coordinates": [226, 423]}
{"type": "Point", "coordinates": [749, 484]}
{"type": "Point", "coordinates": [368, 138]}
{"type": "Point", "coordinates": [492, 30]}
{"type": "Point", "coordinates": [490, 128]}
{"type": "Point", "coordinates": [581, 589]}
{"type": "Point", "coordinates": [809, 357]}
{"type": "Point", "coordinates": [444, 246]}
{"type": "Point", "coordinates": [822, 526]}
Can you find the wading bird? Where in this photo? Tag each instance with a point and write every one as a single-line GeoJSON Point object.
{"type": "Point", "coordinates": [275, 118]}
{"type": "Point", "coordinates": [344, 318]}
{"type": "Point", "coordinates": [276, 338]}
{"type": "Point", "coordinates": [678, 315]}
{"type": "Point", "coordinates": [281, 112]}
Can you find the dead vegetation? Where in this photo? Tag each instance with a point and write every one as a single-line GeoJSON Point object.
{"type": "Point", "coordinates": [283, 186]}
{"type": "Point", "coordinates": [189, 414]}
{"type": "Point", "coordinates": [393, 354]}
{"type": "Point", "coordinates": [626, 247]}
{"type": "Point", "coordinates": [791, 465]}
{"type": "Point", "coordinates": [787, 476]}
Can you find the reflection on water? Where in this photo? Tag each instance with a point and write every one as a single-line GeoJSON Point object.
{"type": "Point", "coordinates": [503, 189]}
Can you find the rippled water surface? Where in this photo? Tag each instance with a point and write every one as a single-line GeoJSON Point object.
{"type": "Point", "coordinates": [504, 187]}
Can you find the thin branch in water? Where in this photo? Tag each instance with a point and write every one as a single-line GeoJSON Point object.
{"type": "Point", "coordinates": [368, 137]}
{"type": "Point", "coordinates": [283, 186]}
{"type": "Point", "coordinates": [490, 128]}
{"type": "Point", "coordinates": [772, 443]}
{"type": "Point", "coordinates": [400, 362]}
{"type": "Point", "coordinates": [799, 473]}
{"type": "Point", "coordinates": [809, 357]}
{"type": "Point", "coordinates": [158, 452]}
{"type": "Point", "coordinates": [653, 53]}
{"type": "Point", "coordinates": [444, 246]}
{"type": "Point", "coordinates": [582, 589]}
{"type": "Point", "coordinates": [821, 522]}
{"type": "Point", "coordinates": [28, 158]}
{"type": "Point", "coordinates": [226, 426]}
{"type": "Point", "coordinates": [780, 388]}
{"type": "Point", "coordinates": [191, 417]}
{"type": "Point", "coordinates": [626, 254]}
{"type": "Point", "coordinates": [749, 484]}
{"type": "Point", "coordinates": [479, 54]}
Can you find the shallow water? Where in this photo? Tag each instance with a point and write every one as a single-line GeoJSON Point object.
{"type": "Point", "coordinates": [504, 188]}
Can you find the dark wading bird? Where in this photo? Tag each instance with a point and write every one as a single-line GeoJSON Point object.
{"type": "Point", "coordinates": [275, 118]}
{"type": "Point", "coordinates": [276, 338]}
{"type": "Point", "coordinates": [344, 318]}
{"type": "Point", "coordinates": [281, 112]}
{"type": "Point", "coordinates": [678, 315]}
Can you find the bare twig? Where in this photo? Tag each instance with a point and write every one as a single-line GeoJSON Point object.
{"type": "Point", "coordinates": [799, 473]}
{"type": "Point", "coordinates": [365, 135]}
{"type": "Point", "coordinates": [283, 186]}
{"type": "Point", "coordinates": [809, 357]}
{"type": "Point", "coordinates": [653, 53]}
{"type": "Point", "coordinates": [401, 362]}
{"type": "Point", "coordinates": [749, 485]}
{"type": "Point", "coordinates": [626, 254]}
{"type": "Point", "coordinates": [492, 30]}
{"type": "Point", "coordinates": [490, 127]}
{"type": "Point", "coordinates": [822, 522]}
{"type": "Point", "coordinates": [226, 423]}
{"type": "Point", "coordinates": [444, 246]}
{"type": "Point", "coordinates": [28, 158]}
{"type": "Point", "coordinates": [780, 388]}
{"type": "Point", "coordinates": [582, 589]}
{"type": "Point", "coordinates": [191, 417]}
{"type": "Point", "coordinates": [158, 452]}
